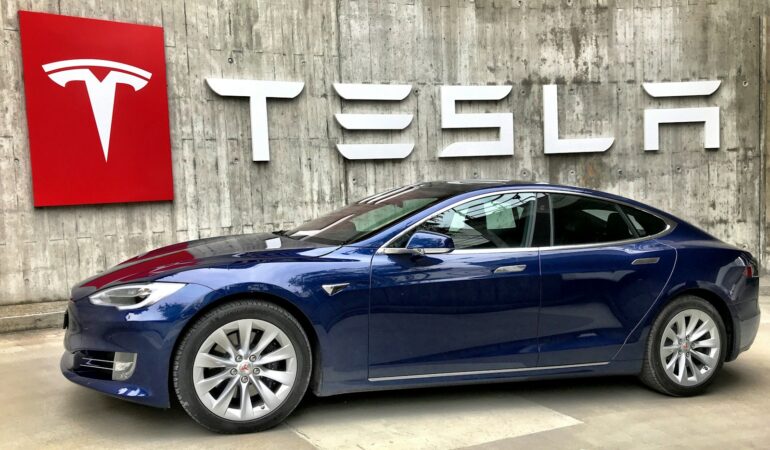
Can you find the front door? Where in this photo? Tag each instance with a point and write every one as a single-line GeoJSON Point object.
{"type": "Point", "coordinates": [473, 309]}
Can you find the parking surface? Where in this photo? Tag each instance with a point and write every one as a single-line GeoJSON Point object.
{"type": "Point", "coordinates": [39, 408]}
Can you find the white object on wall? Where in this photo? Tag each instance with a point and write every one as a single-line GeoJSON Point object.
{"type": "Point", "coordinates": [258, 92]}
{"type": "Point", "coordinates": [101, 94]}
{"type": "Point", "coordinates": [374, 121]}
{"type": "Point", "coordinates": [654, 117]}
{"type": "Point", "coordinates": [374, 92]}
{"type": "Point", "coordinates": [708, 115]}
{"type": "Point", "coordinates": [390, 92]}
{"type": "Point", "coordinates": [681, 88]}
{"type": "Point", "coordinates": [451, 119]}
{"type": "Point", "coordinates": [551, 142]}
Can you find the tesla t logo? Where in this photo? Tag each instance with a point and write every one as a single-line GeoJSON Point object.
{"type": "Point", "coordinates": [101, 94]}
{"type": "Point", "coordinates": [97, 110]}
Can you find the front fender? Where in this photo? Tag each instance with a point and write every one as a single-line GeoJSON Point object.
{"type": "Point", "coordinates": [339, 321]}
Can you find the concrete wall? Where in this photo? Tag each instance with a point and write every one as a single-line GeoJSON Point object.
{"type": "Point", "coordinates": [598, 53]}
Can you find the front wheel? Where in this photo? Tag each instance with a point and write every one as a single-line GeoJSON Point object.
{"type": "Point", "coordinates": [685, 349]}
{"type": "Point", "coordinates": [242, 367]}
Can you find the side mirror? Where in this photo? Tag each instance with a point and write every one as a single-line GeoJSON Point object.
{"type": "Point", "coordinates": [425, 243]}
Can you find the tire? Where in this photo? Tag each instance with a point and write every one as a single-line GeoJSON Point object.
{"type": "Point", "coordinates": [683, 364]}
{"type": "Point", "coordinates": [229, 395]}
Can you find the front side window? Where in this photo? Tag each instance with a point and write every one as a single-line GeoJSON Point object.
{"type": "Point", "coordinates": [582, 220]}
{"type": "Point", "coordinates": [504, 220]}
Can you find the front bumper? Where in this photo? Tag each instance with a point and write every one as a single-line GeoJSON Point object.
{"type": "Point", "coordinates": [150, 333]}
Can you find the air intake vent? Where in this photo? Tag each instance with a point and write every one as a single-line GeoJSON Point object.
{"type": "Point", "coordinates": [104, 365]}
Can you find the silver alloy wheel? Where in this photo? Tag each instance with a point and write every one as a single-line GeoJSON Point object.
{"type": "Point", "coordinates": [689, 349]}
{"type": "Point", "coordinates": [245, 369]}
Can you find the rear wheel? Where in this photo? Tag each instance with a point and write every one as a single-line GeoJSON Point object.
{"type": "Point", "coordinates": [685, 349]}
{"type": "Point", "coordinates": [242, 367]}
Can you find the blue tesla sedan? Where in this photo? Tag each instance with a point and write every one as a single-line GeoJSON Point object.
{"type": "Point", "coordinates": [431, 284]}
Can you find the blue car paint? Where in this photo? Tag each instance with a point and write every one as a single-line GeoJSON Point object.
{"type": "Point", "coordinates": [150, 332]}
{"type": "Point", "coordinates": [592, 297]}
{"type": "Point", "coordinates": [360, 335]}
{"type": "Point", "coordinates": [452, 313]}
{"type": "Point", "coordinates": [428, 239]}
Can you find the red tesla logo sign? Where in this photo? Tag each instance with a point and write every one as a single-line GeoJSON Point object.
{"type": "Point", "coordinates": [96, 109]}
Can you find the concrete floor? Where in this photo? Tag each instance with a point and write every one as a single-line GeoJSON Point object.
{"type": "Point", "coordinates": [39, 408]}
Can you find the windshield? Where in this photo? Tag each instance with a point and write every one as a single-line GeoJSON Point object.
{"type": "Point", "coordinates": [365, 217]}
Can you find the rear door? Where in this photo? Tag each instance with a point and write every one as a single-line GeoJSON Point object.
{"type": "Point", "coordinates": [602, 274]}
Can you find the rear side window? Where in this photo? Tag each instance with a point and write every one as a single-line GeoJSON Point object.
{"type": "Point", "coordinates": [644, 223]}
{"type": "Point", "coordinates": [582, 220]}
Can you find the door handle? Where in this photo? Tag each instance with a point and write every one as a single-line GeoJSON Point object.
{"type": "Point", "coordinates": [640, 261]}
{"type": "Point", "coordinates": [511, 269]}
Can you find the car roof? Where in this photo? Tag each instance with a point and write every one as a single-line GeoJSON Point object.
{"type": "Point", "coordinates": [460, 186]}
{"type": "Point", "coordinates": [464, 187]}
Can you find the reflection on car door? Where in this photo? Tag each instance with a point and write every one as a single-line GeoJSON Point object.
{"type": "Point", "coordinates": [473, 309]}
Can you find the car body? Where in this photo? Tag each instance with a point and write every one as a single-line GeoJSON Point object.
{"type": "Point", "coordinates": [379, 318]}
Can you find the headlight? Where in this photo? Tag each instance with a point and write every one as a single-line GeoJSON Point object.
{"type": "Point", "coordinates": [133, 296]}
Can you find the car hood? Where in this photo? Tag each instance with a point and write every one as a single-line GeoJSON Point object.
{"type": "Point", "coordinates": [212, 252]}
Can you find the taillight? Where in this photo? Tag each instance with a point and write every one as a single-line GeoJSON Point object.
{"type": "Point", "coordinates": [750, 269]}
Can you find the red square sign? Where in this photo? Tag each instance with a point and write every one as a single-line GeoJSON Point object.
{"type": "Point", "coordinates": [97, 110]}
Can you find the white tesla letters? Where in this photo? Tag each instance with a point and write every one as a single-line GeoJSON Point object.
{"type": "Point", "coordinates": [258, 91]}
{"type": "Point", "coordinates": [451, 119]}
{"type": "Point", "coordinates": [654, 117]}
{"type": "Point", "coordinates": [101, 94]}
{"type": "Point", "coordinates": [377, 92]}
{"type": "Point", "coordinates": [551, 142]}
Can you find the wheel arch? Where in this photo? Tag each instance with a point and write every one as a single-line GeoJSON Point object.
{"type": "Point", "coordinates": [719, 303]}
{"type": "Point", "coordinates": [291, 308]}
